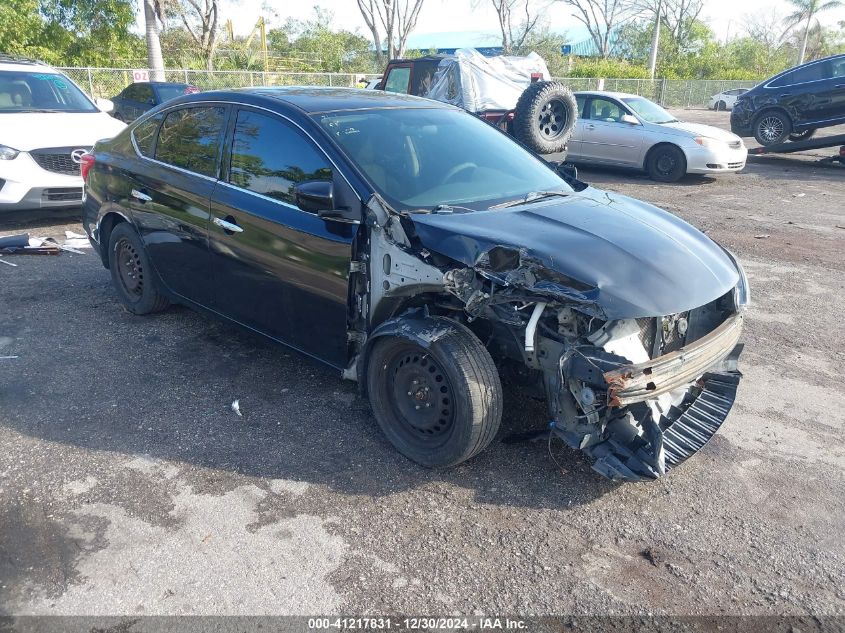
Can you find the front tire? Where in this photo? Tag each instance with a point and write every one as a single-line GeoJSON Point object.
{"type": "Point", "coordinates": [772, 127]}
{"type": "Point", "coordinates": [132, 274]}
{"type": "Point", "coordinates": [666, 163]}
{"type": "Point", "coordinates": [721, 106]}
{"type": "Point", "coordinates": [439, 405]}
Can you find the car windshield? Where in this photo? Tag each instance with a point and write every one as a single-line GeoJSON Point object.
{"type": "Point", "coordinates": [40, 92]}
{"type": "Point", "coordinates": [648, 110]}
{"type": "Point", "coordinates": [422, 158]}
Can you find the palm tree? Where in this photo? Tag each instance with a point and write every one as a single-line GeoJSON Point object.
{"type": "Point", "coordinates": [154, 10]}
{"type": "Point", "coordinates": [805, 11]}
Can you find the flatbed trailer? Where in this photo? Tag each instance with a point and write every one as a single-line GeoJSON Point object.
{"type": "Point", "coordinates": [801, 146]}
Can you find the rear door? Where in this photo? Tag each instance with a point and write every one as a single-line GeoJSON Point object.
{"type": "Point", "coordinates": [169, 198]}
{"type": "Point", "coordinates": [606, 139]}
{"type": "Point", "coordinates": [276, 268]}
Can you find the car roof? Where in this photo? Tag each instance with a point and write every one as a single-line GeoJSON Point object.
{"type": "Point", "coordinates": [13, 62]}
{"type": "Point", "coordinates": [316, 99]}
{"type": "Point", "coordinates": [608, 93]}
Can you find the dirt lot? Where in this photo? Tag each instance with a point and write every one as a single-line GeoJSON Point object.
{"type": "Point", "coordinates": [128, 485]}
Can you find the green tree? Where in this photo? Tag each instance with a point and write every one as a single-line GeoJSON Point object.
{"type": "Point", "coordinates": [805, 11]}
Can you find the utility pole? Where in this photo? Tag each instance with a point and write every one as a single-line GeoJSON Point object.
{"type": "Point", "coordinates": [655, 40]}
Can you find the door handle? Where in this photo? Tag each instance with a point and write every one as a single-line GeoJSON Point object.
{"type": "Point", "coordinates": [140, 195]}
{"type": "Point", "coordinates": [230, 227]}
{"type": "Point", "coordinates": [591, 127]}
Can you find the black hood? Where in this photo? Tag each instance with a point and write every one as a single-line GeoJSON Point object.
{"type": "Point", "coordinates": [638, 260]}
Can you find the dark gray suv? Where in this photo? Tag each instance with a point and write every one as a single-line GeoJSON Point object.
{"type": "Point", "coordinates": [793, 104]}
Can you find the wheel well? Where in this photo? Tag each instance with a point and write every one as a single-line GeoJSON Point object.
{"type": "Point", "coordinates": [107, 224]}
{"type": "Point", "coordinates": [656, 147]}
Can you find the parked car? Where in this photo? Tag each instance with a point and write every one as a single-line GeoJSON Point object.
{"type": "Point", "coordinates": [725, 100]}
{"type": "Point", "coordinates": [46, 124]}
{"type": "Point", "coordinates": [626, 130]}
{"type": "Point", "coordinates": [512, 92]}
{"type": "Point", "coordinates": [793, 104]}
{"type": "Point", "coordinates": [141, 96]}
{"type": "Point", "coordinates": [409, 244]}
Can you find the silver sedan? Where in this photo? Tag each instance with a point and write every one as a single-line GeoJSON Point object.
{"type": "Point", "coordinates": [626, 130]}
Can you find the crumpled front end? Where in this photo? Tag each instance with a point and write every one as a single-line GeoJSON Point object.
{"type": "Point", "coordinates": [635, 418]}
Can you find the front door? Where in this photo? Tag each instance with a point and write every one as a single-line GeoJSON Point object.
{"type": "Point", "coordinates": [606, 139]}
{"type": "Point", "coordinates": [169, 198]}
{"type": "Point", "coordinates": [276, 268]}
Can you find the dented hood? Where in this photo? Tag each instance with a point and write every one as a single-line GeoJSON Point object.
{"type": "Point", "coordinates": [638, 260]}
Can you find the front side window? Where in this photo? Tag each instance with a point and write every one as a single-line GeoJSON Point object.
{"type": "Point", "coordinates": [145, 133]}
{"type": "Point", "coordinates": [28, 91]}
{"type": "Point", "coordinates": [813, 72]}
{"type": "Point", "coordinates": [166, 93]}
{"type": "Point", "coordinates": [190, 138]}
{"type": "Point", "coordinates": [419, 158]}
{"type": "Point", "coordinates": [398, 79]}
{"type": "Point", "coordinates": [143, 93]}
{"type": "Point", "coordinates": [270, 157]}
{"type": "Point", "coordinates": [605, 110]}
{"type": "Point", "coordinates": [837, 68]}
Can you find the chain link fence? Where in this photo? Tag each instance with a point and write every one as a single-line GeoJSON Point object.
{"type": "Point", "coordinates": [670, 93]}
{"type": "Point", "coordinates": [108, 82]}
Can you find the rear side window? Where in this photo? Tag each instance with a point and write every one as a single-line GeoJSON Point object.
{"type": "Point", "coordinates": [397, 79]}
{"type": "Point", "coordinates": [145, 134]}
{"type": "Point", "coordinates": [190, 138]}
{"type": "Point", "coordinates": [270, 157]}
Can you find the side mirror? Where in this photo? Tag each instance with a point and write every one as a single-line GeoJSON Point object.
{"type": "Point", "coordinates": [104, 105]}
{"type": "Point", "coordinates": [630, 119]}
{"type": "Point", "coordinates": [315, 196]}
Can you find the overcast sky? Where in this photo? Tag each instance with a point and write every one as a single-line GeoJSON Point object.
{"type": "Point", "coordinates": [447, 23]}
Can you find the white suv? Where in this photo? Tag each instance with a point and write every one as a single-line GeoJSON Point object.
{"type": "Point", "coordinates": [46, 124]}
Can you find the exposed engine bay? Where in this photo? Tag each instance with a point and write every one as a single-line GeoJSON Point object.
{"type": "Point", "coordinates": [638, 395]}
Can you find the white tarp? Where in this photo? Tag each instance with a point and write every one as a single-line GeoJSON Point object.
{"type": "Point", "coordinates": [477, 83]}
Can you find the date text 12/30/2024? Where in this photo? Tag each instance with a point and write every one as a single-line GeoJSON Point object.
{"type": "Point", "coordinates": [416, 623]}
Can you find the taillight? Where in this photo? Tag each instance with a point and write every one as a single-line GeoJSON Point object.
{"type": "Point", "coordinates": [86, 162]}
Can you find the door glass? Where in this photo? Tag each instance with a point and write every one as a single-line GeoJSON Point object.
{"type": "Point", "coordinates": [145, 133]}
{"type": "Point", "coordinates": [604, 110]}
{"type": "Point", "coordinates": [837, 68]}
{"type": "Point", "coordinates": [145, 93]}
{"type": "Point", "coordinates": [813, 72]}
{"type": "Point", "coordinates": [397, 79]}
{"type": "Point", "coordinates": [190, 137]}
{"type": "Point", "coordinates": [270, 157]}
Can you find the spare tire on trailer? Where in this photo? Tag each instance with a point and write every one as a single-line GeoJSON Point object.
{"type": "Point", "coordinates": [545, 116]}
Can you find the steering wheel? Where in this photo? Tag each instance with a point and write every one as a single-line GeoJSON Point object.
{"type": "Point", "coordinates": [458, 169]}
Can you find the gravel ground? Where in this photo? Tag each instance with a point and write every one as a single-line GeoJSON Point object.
{"type": "Point", "coordinates": [129, 486]}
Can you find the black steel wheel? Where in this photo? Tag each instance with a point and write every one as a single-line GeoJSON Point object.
{"type": "Point", "coordinates": [666, 163]}
{"type": "Point", "coordinates": [772, 127]}
{"type": "Point", "coordinates": [438, 404]}
{"type": "Point", "coordinates": [132, 275]}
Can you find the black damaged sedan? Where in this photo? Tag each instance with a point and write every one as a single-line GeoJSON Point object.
{"type": "Point", "coordinates": [421, 251]}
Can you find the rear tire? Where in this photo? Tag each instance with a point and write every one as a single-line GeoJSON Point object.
{"type": "Point", "coordinates": [772, 127]}
{"type": "Point", "coordinates": [131, 272]}
{"type": "Point", "coordinates": [545, 116]}
{"type": "Point", "coordinates": [666, 163]}
{"type": "Point", "coordinates": [440, 405]}
{"type": "Point", "coordinates": [803, 136]}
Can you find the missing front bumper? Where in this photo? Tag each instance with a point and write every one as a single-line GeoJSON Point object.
{"type": "Point", "coordinates": [636, 447]}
